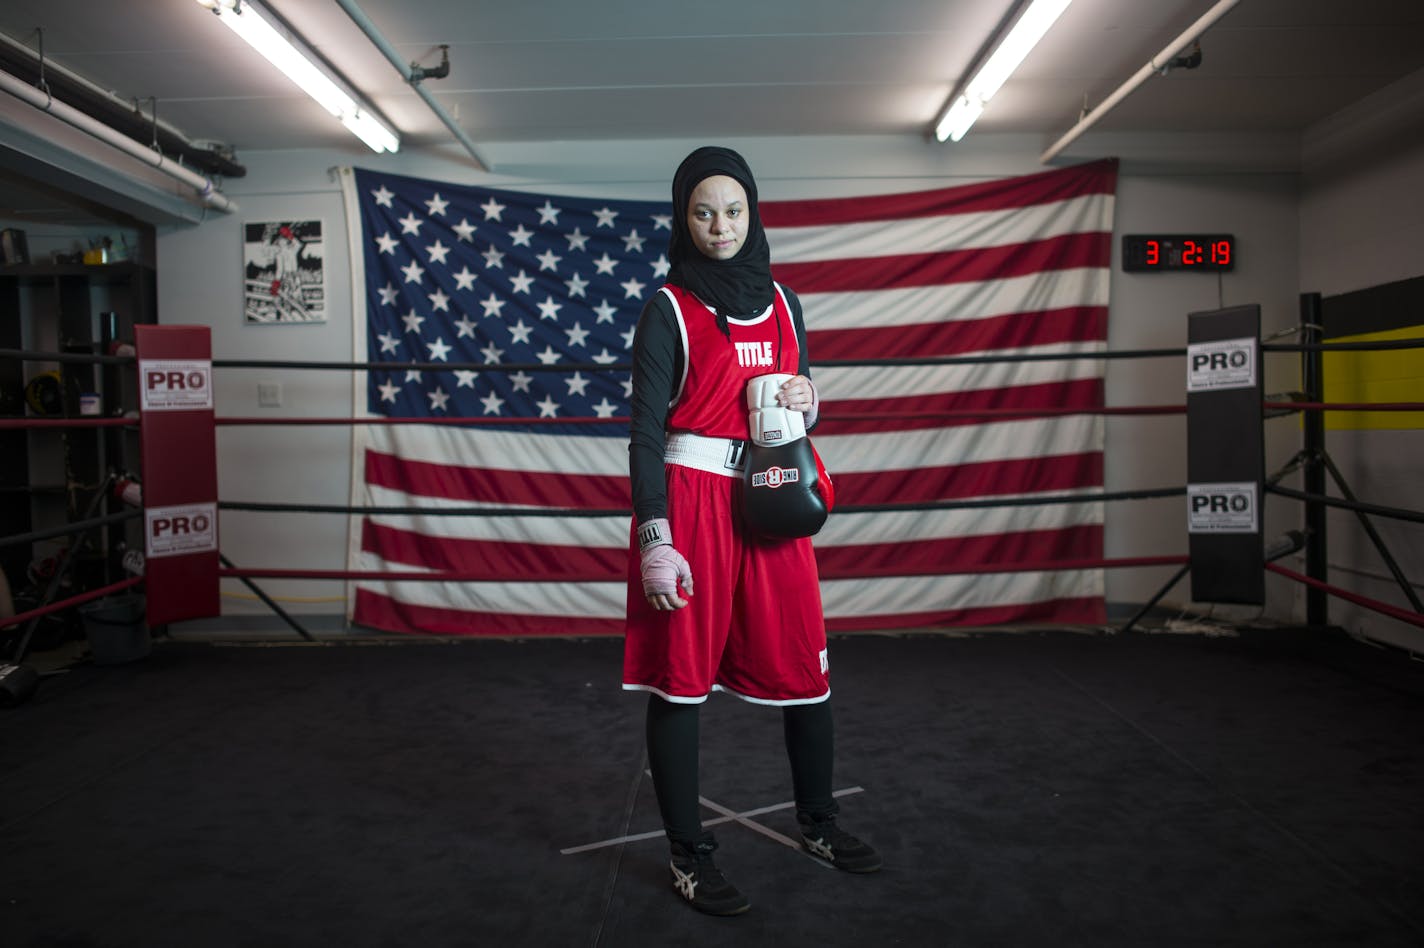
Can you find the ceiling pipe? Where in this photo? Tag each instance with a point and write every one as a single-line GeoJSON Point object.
{"type": "Point", "coordinates": [1155, 64]}
{"type": "Point", "coordinates": [111, 109]}
{"type": "Point", "coordinates": [205, 192]}
{"type": "Point", "coordinates": [374, 35]}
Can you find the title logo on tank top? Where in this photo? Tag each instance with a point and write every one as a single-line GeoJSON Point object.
{"type": "Point", "coordinates": [754, 355]}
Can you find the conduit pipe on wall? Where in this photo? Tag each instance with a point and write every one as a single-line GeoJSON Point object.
{"type": "Point", "coordinates": [119, 114]}
{"type": "Point", "coordinates": [205, 192]}
{"type": "Point", "coordinates": [1153, 65]}
{"type": "Point", "coordinates": [374, 35]}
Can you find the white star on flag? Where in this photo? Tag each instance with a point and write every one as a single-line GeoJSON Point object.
{"type": "Point", "coordinates": [492, 305]}
{"type": "Point", "coordinates": [549, 309]}
{"type": "Point", "coordinates": [493, 209]}
{"type": "Point", "coordinates": [519, 333]}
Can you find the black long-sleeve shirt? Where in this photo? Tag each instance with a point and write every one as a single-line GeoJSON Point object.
{"type": "Point", "coordinates": [657, 365]}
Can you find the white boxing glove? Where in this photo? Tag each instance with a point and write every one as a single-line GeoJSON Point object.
{"type": "Point", "coordinates": [770, 423]}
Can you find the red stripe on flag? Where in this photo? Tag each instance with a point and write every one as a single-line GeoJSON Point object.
{"type": "Point", "coordinates": [384, 612]}
{"type": "Point", "coordinates": [1056, 612]}
{"type": "Point", "coordinates": [493, 559]}
{"type": "Point", "coordinates": [929, 557]}
{"type": "Point", "coordinates": [976, 265]}
{"type": "Point", "coordinates": [494, 486]}
{"type": "Point", "coordinates": [927, 340]}
{"type": "Point", "coordinates": [856, 416]}
{"type": "Point", "coordinates": [984, 479]}
{"type": "Point", "coordinates": [1099, 177]}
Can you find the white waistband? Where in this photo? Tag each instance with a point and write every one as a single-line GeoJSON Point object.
{"type": "Point", "coordinates": [725, 456]}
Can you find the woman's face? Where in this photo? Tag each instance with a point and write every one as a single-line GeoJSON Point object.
{"type": "Point", "coordinates": [717, 216]}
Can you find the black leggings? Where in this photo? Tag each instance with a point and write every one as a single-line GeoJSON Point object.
{"type": "Point", "coordinates": [673, 754]}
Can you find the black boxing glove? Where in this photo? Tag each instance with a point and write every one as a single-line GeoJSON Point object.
{"type": "Point", "coordinates": [788, 492]}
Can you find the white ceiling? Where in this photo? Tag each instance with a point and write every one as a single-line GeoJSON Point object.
{"type": "Point", "coordinates": [546, 70]}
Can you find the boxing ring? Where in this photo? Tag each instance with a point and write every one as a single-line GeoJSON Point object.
{"type": "Point", "coordinates": [176, 493]}
{"type": "Point", "coordinates": [1041, 788]}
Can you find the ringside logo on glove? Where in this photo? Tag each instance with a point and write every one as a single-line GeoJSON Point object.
{"type": "Point", "coordinates": [774, 477]}
{"type": "Point", "coordinates": [788, 492]}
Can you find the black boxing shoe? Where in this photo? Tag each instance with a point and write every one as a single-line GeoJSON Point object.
{"type": "Point", "coordinates": [698, 880]}
{"type": "Point", "coordinates": [827, 841]}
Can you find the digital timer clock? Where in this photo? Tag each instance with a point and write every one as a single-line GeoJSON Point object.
{"type": "Point", "coordinates": [1145, 253]}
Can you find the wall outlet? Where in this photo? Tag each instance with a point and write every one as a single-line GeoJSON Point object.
{"type": "Point", "coordinates": [269, 394]}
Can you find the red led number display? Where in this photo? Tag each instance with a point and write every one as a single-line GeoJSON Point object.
{"type": "Point", "coordinates": [1145, 253]}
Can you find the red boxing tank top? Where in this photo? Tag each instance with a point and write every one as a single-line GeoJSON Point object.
{"type": "Point", "coordinates": [710, 399]}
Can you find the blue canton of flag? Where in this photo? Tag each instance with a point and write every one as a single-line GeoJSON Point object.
{"type": "Point", "coordinates": [475, 275]}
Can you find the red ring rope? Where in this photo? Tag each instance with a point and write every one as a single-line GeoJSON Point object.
{"type": "Point", "coordinates": [1384, 608]}
{"type": "Point", "coordinates": [63, 604]}
{"type": "Point", "coordinates": [458, 577]}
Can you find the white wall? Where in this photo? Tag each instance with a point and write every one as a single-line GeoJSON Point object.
{"type": "Point", "coordinates": [1149, 311]}
{"type": "Point", "coordinates": [200, 282]}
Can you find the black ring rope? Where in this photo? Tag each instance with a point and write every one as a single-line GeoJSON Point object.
{"type": "Point", "coordinates": [1374, 345]}
{"type": "Point", "coordinates": [1414, 516]}
{"type": "Point", "coordinates": [256, 507]}
{"type": "Point", "coordinates": [426, 511]}
{"type": "Point", "coordinates": [78, 526]}
{"type": "Point", "coordinates": [84, 357]}
{"type": "Point", "coordinates": [1362, 346]}
{"type": "Point", "coordinates": [427, 366]}
{"type": "Point", "coordinates": [1018, 501]}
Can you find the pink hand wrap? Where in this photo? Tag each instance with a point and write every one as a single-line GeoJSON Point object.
{"type": "Point", "coordinates": [662, 567]}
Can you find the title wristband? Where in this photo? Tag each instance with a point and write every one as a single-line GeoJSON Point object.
{"type": "Point", "coordinates": [654, 533]}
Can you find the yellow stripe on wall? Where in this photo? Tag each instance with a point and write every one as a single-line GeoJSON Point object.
{"type": "Point", "coordinates": [1394, 375]}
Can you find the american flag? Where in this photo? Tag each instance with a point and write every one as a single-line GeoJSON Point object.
{"type": "Point", "coordinates": [475, 277]}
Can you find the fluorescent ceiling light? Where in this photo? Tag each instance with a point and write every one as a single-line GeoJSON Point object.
{"type": "Point", "coordinates": [1027, 31]}
{"type": "Point", "coordinates": [265, 33]}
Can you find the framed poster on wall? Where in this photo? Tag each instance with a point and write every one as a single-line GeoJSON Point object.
{"type": "Point", "coordinates": [284, 272]}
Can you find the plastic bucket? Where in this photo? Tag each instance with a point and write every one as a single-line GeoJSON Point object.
{"type": "Point", "coordinates": [116, 629]}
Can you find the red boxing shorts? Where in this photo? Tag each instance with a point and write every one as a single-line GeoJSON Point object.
{"type": "Point", "coordinates": [754, 627]}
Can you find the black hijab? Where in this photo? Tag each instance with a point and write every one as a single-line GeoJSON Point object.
{"type": "Point", "coordinates": [741, 286]}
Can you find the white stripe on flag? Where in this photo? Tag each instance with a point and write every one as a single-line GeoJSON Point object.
{"type": "Point", "coordinates": [912, 526]}
{"type": "Point", "coordinates": [503, 450]}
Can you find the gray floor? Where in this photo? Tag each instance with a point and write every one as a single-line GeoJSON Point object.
{"type": "Point", "coordinates": [1025, 789]}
